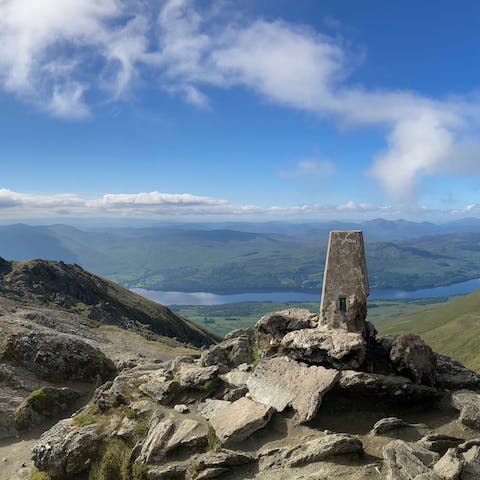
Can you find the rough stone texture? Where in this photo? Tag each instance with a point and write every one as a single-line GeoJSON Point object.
{"type": "Point", "coordinates": [43, 404]}
{"type": "Point", "coordinates": [345, 277]}
{"type": "Point", "coordinates": [388, 424]}
{"type": "Point", "coordinates": [218, 463]}
{"type": "Point", "coordinates": [236, 377]}
{"type": "Point", "coordinates": [406, 461]}
{"type": "Point", "coordinates": [272, 327]}
{"type": "Point", "coordinates": [240, 419]}
{"type": "Point", "coordinates": [439, 443]}
{"type": "Point", "coordinates": [181, 408]}
{"type": "Point", "coordinates": [212, 407]}
{"type": "Point", "coordinates": [453, 375]}
{"type": "Point", "coordinates": [468, 403]}
{"type": "Point", "coordinates": [192, 376]}
{"type": "Point", "coordinates": [65, 450]}
{"type": "Point", "coordinates": [159, 387]}
{"type": "Point", "coordinates": [413, 358]}
{"type": "Point", "coordinates": [471, 463]}
{"type": "Point", "coordinates": [450, 466]}
{"type": "Point", "coordinates": [279, 382]}
{"type": "Point", "coordinates": [388, 388]}
{"type": "Point", "coordinates": [169, 472]}
{"type": "Point", "coordinates": [310, 451]}
{"type": "Point", "coordinates": [56, 355]}
{"type": "Point", "coordinates": [232, 352]}
{"type": "Point", "coordinates": [240, 332]}
{"type": "Point", "coordinates": [335, 348]}
{"type": "Point", "coordinates": [166, 434]}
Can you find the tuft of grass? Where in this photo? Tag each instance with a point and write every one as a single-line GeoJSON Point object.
{"type": "Point", "coordinates": [140, 429]}
{"type": "Point", "coordinates": [212, 438]}
{"type": "Point", "coordinates": [113, 463]}
{"type": "Point", "coordinates": [86, 416]}
{"type": "Point", "coordinates": [131, 414]}
{"type": "Point", "coordinates": [36, 474]}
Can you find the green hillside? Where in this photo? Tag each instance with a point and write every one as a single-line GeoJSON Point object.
{"type": "Point", "coordinates": [452, 328]}
{"type": "Point", "coordinates": [230, 261]}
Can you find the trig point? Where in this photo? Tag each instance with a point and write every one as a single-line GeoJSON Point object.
{"type": "Point", "coordinates": [345, 283]}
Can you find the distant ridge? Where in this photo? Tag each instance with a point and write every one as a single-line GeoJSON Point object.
{"type": "Point", "coordinates": [70, 287]}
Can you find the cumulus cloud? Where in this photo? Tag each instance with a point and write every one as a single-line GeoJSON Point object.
{"type": "Point", "coordinates": [47, 49]}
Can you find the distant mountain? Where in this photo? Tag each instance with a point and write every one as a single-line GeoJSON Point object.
{"type": "Point", "coordinates": [56, 284]}
{"type": "Point", "coordinates": [451, 328]}
{"type": "Point", "coordinates": [283, 256]}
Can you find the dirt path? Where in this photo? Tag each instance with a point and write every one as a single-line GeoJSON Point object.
{"type": "Point", "coordinates": [15, 457]}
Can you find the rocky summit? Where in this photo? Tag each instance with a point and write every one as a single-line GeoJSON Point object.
{"type": "Point", "coordinates": [301, 396]}
{"type": "Point", "coordinates": [289, 399]}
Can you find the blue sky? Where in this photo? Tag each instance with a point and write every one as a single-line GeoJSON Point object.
{"type": "Point", "coordinates": [265, 109]}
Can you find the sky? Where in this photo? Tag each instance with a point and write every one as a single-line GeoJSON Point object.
{"type": "Point", "coordinates": [252, 109]}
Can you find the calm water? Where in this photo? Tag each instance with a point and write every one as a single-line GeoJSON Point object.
{"type": "Point", "coordinates": [204, 298]}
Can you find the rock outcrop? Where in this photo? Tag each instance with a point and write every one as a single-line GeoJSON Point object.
{"type": "Point", "coordinates": [285, 404]}
{"type": "Point", "coordinates": [280, 382]}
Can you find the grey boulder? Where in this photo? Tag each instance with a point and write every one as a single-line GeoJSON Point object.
{"type": "Point", "coordinates": [66, 450]}
{"type": "Point", "coordinates": [280, 382]}
{"type": "Point", "coordinates": [333, 348]}
{"type": "Point", "coordinates": [310, 451]}
{"type": "Point", "coordinates": [239, 420]}
{"type": "Point", "coordinates": [413, 358]}
{"type": "Point", "coordinates": [468, 403]}
{"type": "Point", "coordinates": [408, 461]}
{"type": "Point", "coordinates": [272, 327]}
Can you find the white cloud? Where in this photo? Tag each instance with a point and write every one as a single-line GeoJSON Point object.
{"type": "Point", "coordinates": [157, 205]}
{"type": "Point", "coordinates": [53, 53]}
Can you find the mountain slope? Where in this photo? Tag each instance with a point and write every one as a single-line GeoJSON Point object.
{"type": "Point", "coordinates": [56, 284]}
{"type": "Point", "coordinates": [452, 328]}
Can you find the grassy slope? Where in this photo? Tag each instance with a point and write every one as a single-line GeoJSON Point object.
{"type": "Point", "coordinates": [223, 318]}
{"type": "Point", "coordinates": [452, 328]}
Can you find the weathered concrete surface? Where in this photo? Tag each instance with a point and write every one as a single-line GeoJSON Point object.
{"type": "Point", "coordinates": [280, 382]}
{"type": "Point", "coordinates": [345, 277]}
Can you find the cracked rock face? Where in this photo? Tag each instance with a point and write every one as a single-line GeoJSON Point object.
{"type": "Point", "coordinates": [280, 382]}
{"type": "Point", "coordinates": [335, 348]}
{"type": "Point", "coordinates": [240, 419]}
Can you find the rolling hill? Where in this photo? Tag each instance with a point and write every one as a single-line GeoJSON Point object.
{"type": "Point", "coordinates": [223, 260]}
{"type": "Point", "coordinates": [451, 328]}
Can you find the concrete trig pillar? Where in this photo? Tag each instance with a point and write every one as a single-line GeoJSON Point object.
{"type": "Point", "coordinates": [345, 283]}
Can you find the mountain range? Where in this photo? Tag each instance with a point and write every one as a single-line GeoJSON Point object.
{"type": "Point", "coordinates": [248, 257]}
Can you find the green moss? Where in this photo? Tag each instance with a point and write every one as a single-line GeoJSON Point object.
{"type": "Point", "coordinates": [38, 475]}
{"type": "Point", "coordinates": [212, 438]}
{"type": "Point", "coordinates": [43, 401]}
{"type": "Point", "coordinates": [208, 386]}
{"type": "Point", "coordinates": [131, 414]}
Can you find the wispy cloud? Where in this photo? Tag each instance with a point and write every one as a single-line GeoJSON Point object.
{"type": "Point", "coordinates": [158, 205]}
{"type": "Point", "coordinates": [47, 49]}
